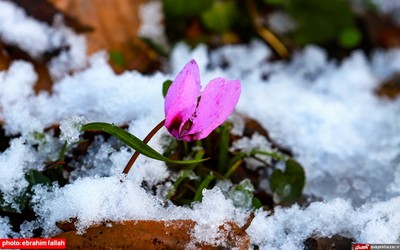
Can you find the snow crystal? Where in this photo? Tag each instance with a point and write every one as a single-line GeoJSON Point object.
{"type": "Point", "coordinates": [133, 96]}
{"type": "Point", "coordinates": [16, 27]}
{"type": "Point", "coordinates": [256, 142]}
{"type": "Point", "coordinates": [13, 164]}
{"type": "Point", "coordinates": [210, 217]}
{"type": "Point", "coordinates": [325, 111]}
{"type": "Point", "coordinates": [16, 85]}
{"type": "Point", "coordinates": [95, 200]}
{"type": "Point", "coordinates": [374, 223]}
{"type": "Point", "coordinates": [328, 115]}
{"type": "Point", "coordinates": [27, 227]}
{"type": "Point", "coordinates": [70, 128]}
{"type": "Point", "coordinates": [96, 162]}
{"type": "Point", "coordinates": [69, 60]}
{"type": "Point", "coordinates": [5, 227]}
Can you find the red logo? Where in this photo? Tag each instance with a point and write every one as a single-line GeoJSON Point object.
{"type": "Point", "coordinates": [361, 247]}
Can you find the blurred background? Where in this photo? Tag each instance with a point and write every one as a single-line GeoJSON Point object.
{"type": "Point", "coordinates": [139, 34]}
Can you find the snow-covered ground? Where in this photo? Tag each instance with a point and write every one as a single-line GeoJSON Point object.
{"type": "Point", "coordinates": [346, 138]}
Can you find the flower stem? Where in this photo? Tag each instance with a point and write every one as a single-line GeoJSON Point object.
{"type": "Point", "coordinates": [145, 140]}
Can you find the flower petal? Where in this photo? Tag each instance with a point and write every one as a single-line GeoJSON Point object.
{"type": "Point", "coordinates": [181, 99]}
{"type": "Point", "coordinates": [217, 102]}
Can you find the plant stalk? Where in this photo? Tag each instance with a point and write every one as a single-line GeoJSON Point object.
{"type": "Point", "coordinates": [145, 140]}
{"type": "Point", "coordinates": [267, 35]}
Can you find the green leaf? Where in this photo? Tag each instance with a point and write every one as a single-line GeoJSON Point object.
{"type": "Point", "coordinates": [256, 203]}
{"type": "Point", "coordinates": [288, 184]}
{"type": "Point", "coordinates": [224, 136]}
{"type": "Point", "coordinates": [35, 177]}
{"type": "Point", "coordinates": [274, 2]}
{"type": "Point", "coordinates": [133, 142]}
{"type": "Point", "coordinates": [39, 136]}
{"type": "Point", "coordinates": [234, 163]}
{"type": "Point", "coordinates": [273, 155]}
{"type": "Point", "coordinates": [156, 46]}
{"type": "Point", "coordinates": [184, 174]}
{"type": "Point", "coordinates": [350, 37]}
{"type": "Point", "coordinates": [319, 21]}
{"type": "Point", "coordinates": [117, 58]}
{"type": "Point", "coordinates": [220, 17]}
{"type": "Point", "coordinates": [185, 8]}
{"type": "Point", "coordinates": [204, 184]}
{"type": "Point", "coordinates": [165, 87]}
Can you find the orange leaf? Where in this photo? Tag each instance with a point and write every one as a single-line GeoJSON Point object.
{"type": "Point", "coordinates": [149, 235]}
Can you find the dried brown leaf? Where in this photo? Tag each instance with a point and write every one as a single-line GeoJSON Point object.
{"type": "Point", "coordinates": [115, 24]}
{"type": "Point", "coordinates": [149, 235]}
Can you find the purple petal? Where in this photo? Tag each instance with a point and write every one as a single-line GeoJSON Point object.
{"type": "Point", "coordinates": [217, 102]}
{"type": "Point", "coordinates": [181, 99]}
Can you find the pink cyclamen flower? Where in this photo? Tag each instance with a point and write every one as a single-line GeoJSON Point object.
{"type": "Point", "coordinates": [192, 115]}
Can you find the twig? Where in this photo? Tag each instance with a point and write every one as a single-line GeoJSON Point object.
{"type": "Point", "coordinates": [267, 35]}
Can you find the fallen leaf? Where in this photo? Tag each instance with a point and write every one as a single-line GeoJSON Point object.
{"type": "Point", "coordinates": [389, 88]}
{"type": "Point", "coordinates": [9, 53]}
{"type": "Point", "coordinates": [328, 243]}
{"type": "Point", "coordinates": [142, 234]}
{"type": "Point", "coordinates": [115, 27]}
{"type": "Point", "coordinates": [44, 11]}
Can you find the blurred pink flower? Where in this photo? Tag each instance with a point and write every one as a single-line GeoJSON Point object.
{"type": "Point", "coordinates": [192, 115]}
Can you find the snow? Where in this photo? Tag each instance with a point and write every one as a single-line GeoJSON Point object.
{"type": "Point", "coordinates": [280, 22]}
{"type": "Point", "coordinates": [103, 198]}
{"type": "Point", "coordinates": [14, 162]}
{"type": "Point", "coordinates": [151, 22]}
{"type": "Point", "coordinates": [16, 27]}
{"type": "Point", "coordinates": [70, 128]}
{"type": "Point", "coordinates": [5, 227]}
{"type": "Point", "coordinates": [256, 142]}
{"type": "Point", "coordinates": [289, 227]}
{"type": "Point", "coordinates": [325, 111]}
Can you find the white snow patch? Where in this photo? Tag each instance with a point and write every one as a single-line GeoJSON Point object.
{"type": "Point", "coordinates": [151, 22]}
{"type": "Point", "coordinates": [288, 228]}
{"type": "Point", "coordinates": [17, 159]}
{"type": "Point", "coordinates": [345, 137]}
{"type": "Point", "coordinates": [95, 200]}
{"type": "Point", "coordinates": [36, 38]}
{"type": "Point", "coordinates": [70, 128]}
{"type": "Point", "coordinates": [16, 26]}
{"type": "Point", "coordinates": [5, 227]}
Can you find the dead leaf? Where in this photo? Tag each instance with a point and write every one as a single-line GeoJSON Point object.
{"type": "Point", "coordinates": [390, 88]}
{"type": "Point", "coordinates": [149, 235]}
{"type": "Point", "coordinates": [325, 243]}
{"type": "Point", "coordinates": [44, 11]}
{"type": "Point", "coordinates": [115, 25]}
{"type": "Point", "coordinates": [9, 53]}
{"type": "Point", "coordinates": [382, 31]}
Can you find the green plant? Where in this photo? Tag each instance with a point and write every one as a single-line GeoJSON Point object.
{"type": "Point", "coordinates": [322, 21]}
